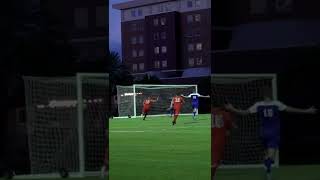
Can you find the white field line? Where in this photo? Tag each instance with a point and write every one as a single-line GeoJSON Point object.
{"type": "Point", "coordinates": [172, 130]}
{"type": "Point", "coordinates": [146, 129]}
{"type": "Point", "coordinates": [190, 161]}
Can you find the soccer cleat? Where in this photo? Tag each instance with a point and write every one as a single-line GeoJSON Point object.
{"type": "Point", "coordinates": [173, 123]}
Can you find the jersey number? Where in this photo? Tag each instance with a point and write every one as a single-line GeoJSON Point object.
{"type": "Point", "coordinates": [177, 100]}
{"type": "Point", "coordinates": [194, 97]}
{"type": "Point", "coordinates": [217, 121]}
{"type": "Point", "coordinates": [268, 113]}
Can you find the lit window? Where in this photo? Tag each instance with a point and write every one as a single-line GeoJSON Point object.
{"type": "Point", "coordinates": [189, 4]}
{"type": "Point", "coordinates": [156, 22]}
{"type": "Point", "coordinates": [133, 13]}
{"type": "Point", "coordinates": [163, 35]}
{"type": "Point", "coordinates": [141, 53]}
{"type": "Point", "coordinates": [191, 62]}
{"type": "Point", "coordinates": [190, 47]}
{"type": "Point", "coordinates": [139, 12]}
{"type": "Point", "coordinates": [141, 40]}
{"type": "Point", "coordinates": [198, 3]}
{"type": "Point", "coordinates": [141, 66]}
{"type": "Point", "coordinates": [134, 53]}
{"type": "Point", "coordinates": [157, 64]}
{"type": "Point", "coordinates": [190, 18]}
{"type": "Point", "coordinates": [156, 50]}
{"type": "Point", "coordinates": [164, 64]}
{"type": "Point", "coordinates": [133, 40]}
{"type": "Point", "coordinates": [197, 18]}
{"type": "Point", "coordinates": [134, 67]}
{"type": "Point", "coordinates": [164, 49]}
{"type": "Point", "coordinates": [155, 36]}
{"type": "Point", "coordinates": [199, 61]}
{"type": "Point", "coordinates": [163, 21]}
{"type": "Point", "coordinates": [199, 46]}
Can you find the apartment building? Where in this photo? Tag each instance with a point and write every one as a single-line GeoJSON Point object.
{"type": "Point", "coordinates": [167, 38]}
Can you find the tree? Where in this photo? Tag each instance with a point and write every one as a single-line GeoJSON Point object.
{"type": "Point", "coordinates": [118, 72]}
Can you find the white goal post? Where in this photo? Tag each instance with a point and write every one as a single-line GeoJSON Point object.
{"type": "Point", "coordinates": [130, 98]}
{"type": "Point", "coordinates": [244, 148]}
{"type": "Point", "coordinates": [67, 121]}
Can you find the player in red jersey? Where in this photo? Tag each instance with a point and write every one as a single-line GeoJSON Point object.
{"type": "Point", "coordinates": [147, 106]}
{"type": "Point", "coordinates": [176, 103]}
{"type": "Point", "coordinates": [220, 128]}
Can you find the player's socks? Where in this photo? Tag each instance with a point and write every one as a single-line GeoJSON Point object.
{"type": "Point", "coordinates": [174, 120]}
{"type": "Point", "coordinates": [194, 115]}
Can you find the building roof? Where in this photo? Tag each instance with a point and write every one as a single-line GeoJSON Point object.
{"type": "Point", "coordinates": [196, 72]}
{"type": "Point", "coordinates": [137, 3]}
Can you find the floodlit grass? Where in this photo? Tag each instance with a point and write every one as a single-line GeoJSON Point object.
{"type": "Point", "coordinates": [156, 150]}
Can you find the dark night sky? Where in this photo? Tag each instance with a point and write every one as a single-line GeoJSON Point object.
{"type": "Point", "coordinates": [115, 27]}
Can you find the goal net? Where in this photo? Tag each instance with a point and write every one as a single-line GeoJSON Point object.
{"type": "Point", "coordinates": [244, 147]}
{"type": "Point", "coordinates": [130, 98]}
{"type": "Point", "coordinates": [67, 123]}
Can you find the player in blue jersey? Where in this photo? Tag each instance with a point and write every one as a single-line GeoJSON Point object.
{"type": "Point", "coordinates": [268, 112]}
{"type": "Point", "coordinates": [195, 101]}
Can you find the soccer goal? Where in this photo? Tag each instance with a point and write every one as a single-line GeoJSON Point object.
{"type": "Point", "coordinates": [130, 98]}
{"type": "Point", "coordinates": [67, 124]}
{"type": "Point", "coordinates": [244, 148]}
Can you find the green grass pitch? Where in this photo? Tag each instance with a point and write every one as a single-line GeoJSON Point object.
{"type": "Point", "coordinates": [155, 150]}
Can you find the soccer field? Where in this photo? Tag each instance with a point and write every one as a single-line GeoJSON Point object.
{"type": "Point", "coordinates": [156, 150]}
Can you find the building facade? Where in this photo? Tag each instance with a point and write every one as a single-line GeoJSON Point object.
{"type": "Point", "coordinates": [166, 38]}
